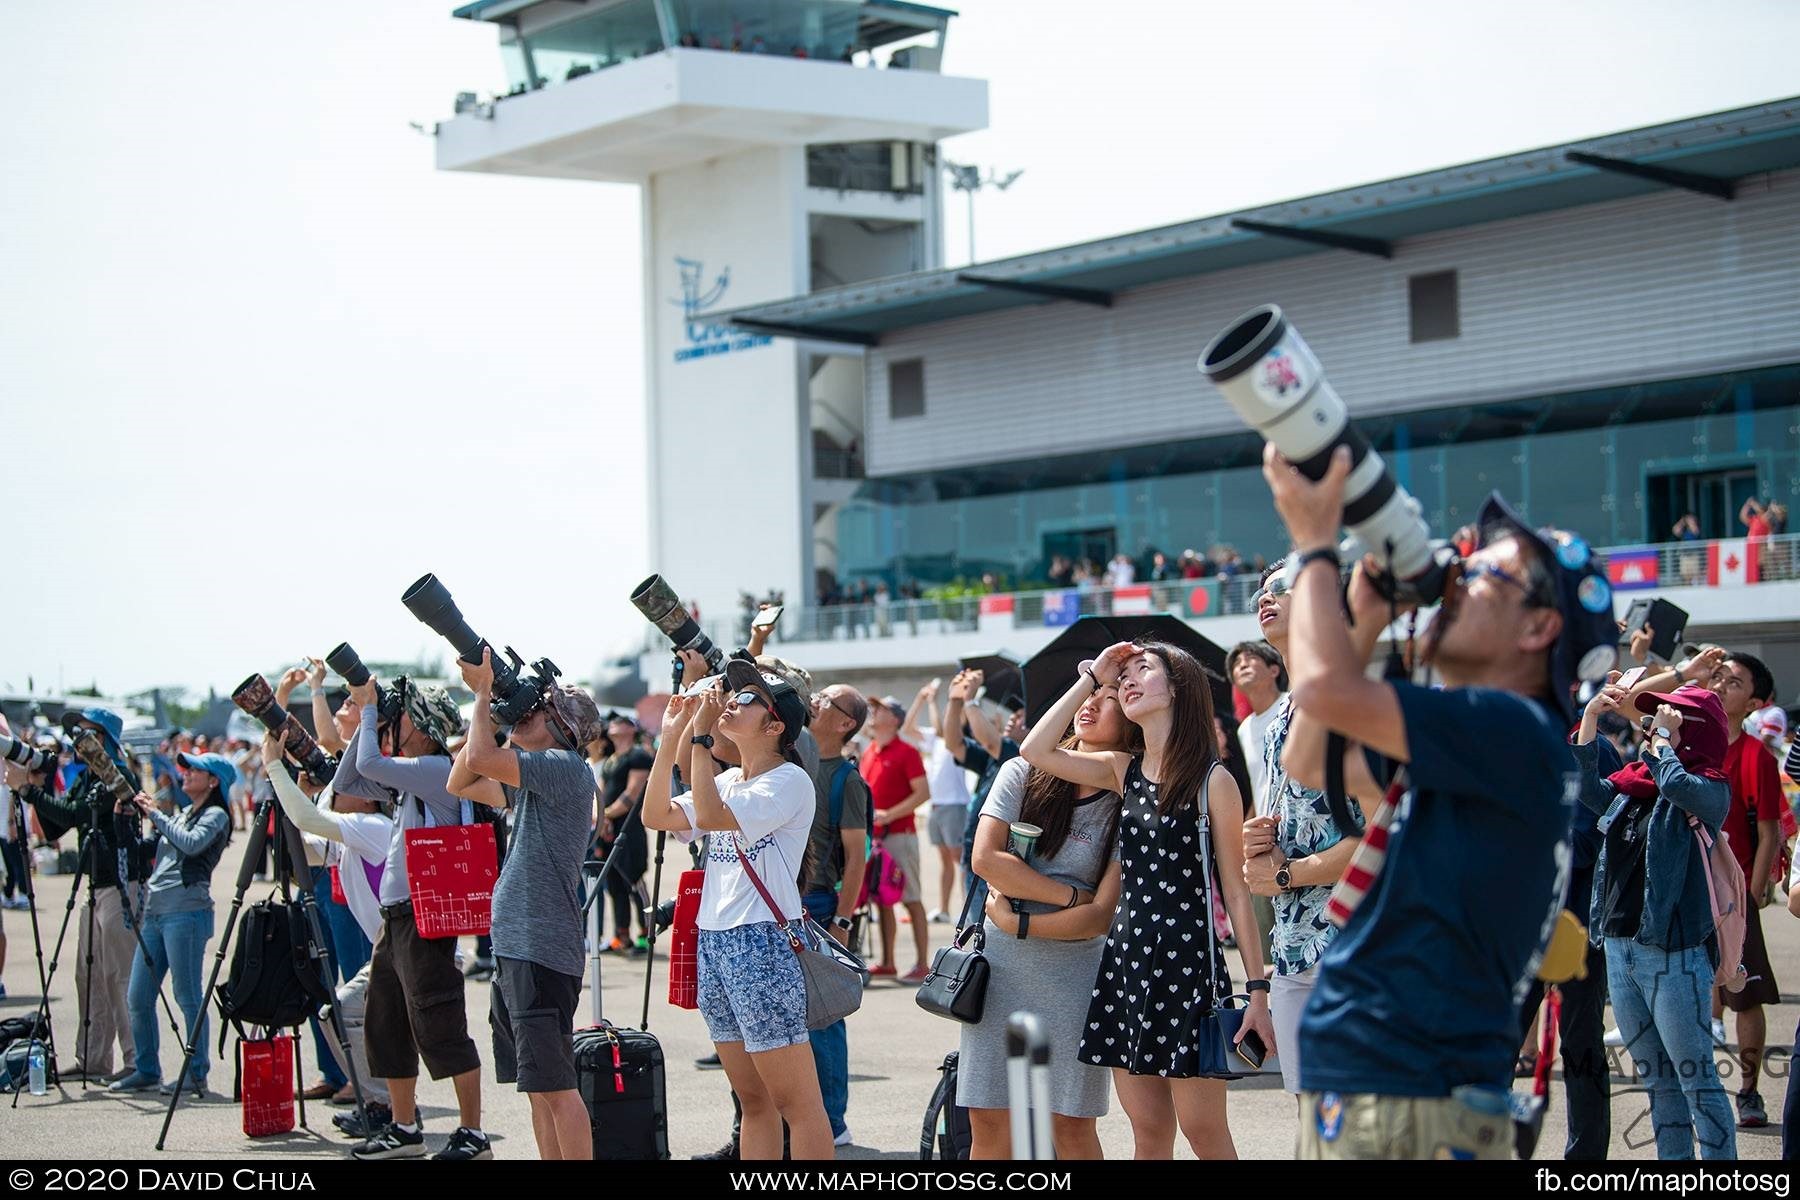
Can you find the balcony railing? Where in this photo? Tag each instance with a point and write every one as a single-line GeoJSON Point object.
{"type": "Point", "coordinates": [1633, 569]}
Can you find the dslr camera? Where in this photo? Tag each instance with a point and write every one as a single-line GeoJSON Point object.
{"type": "Point", "coordinates": [519, 689]}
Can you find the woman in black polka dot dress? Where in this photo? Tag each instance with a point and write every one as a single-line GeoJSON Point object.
{"type": "Point", "coordinates": [1154, 976]}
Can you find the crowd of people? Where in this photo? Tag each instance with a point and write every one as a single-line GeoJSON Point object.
{"type": "Point", "coordinates": [1404, 871]}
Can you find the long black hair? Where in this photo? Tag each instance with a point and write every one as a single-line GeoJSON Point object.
{"type": "Point", "coordinates": [1193, 743]}
{"type": "Point", "coordinates": [1050, 802]}
{"type": "Point", "coordinates": [219, 795]}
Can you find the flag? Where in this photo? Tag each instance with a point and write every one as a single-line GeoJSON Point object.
{"type": "Point", "coordinates": [1061, 608]}
{"type": "Point", "coordinates": [1632, 570]}
{"type": "Point", "coordinates": [1731, 563]}
{"type": "Point", "coordinates": [996, 613]}
{"type": "Point", "coordinates": [1131, 601]}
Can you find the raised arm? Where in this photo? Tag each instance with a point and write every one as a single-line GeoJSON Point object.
{"type": "Point", "coordinates": [306, 816]}
{"type": "Point", "coordinates": [499, 764]}
{"type": "Point", "coordinates": [1101, 771]}
{"type": "Point", "coordinates": [660, 809]}
{"type": "Point", "coordinates": [428, 776]}
{"type": "Point", "coordinates": [909, 728]}
{"type": "Point", "coordinates": [325, 729]}
{"type": "Point", "coordinates": [984, 731]}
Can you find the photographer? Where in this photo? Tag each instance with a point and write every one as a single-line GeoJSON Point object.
{"type": "Point", "coordinates": [415, 995]}
{"type": "Point", "coordinates": [541, 776]}
{"type": "Point", "coordinates": [178, 915]}
{"type": "Point", "coordinates": [752, 991]}
{"type": "Point", "coordinates": [1653, 907]}
{"type": "Point", "coordinates": [103, 931]}
{"type": "Point", "coordinates": [359, 835]}
{"type": "Point", "coordinates": [1409, 1040]}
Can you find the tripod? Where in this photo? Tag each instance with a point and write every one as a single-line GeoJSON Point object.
{"type": "Point", "coordinates": [91, 842]}
{"type": "Point", "coordinates": [290, 868]}
{"type": "Point", "coordinates": [596, 929]}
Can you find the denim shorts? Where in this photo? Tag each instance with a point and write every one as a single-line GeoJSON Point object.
{"type": "Point", "coordinates": [751, 988]}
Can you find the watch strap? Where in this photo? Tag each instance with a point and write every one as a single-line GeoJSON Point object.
{"type": "Point", "coordinates": [1024, 924]}
{"type": "Point", "coordinates": [1255, 985]}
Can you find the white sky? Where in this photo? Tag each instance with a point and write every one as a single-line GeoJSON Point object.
{"type": "Point", "coordinates": [261, 365]}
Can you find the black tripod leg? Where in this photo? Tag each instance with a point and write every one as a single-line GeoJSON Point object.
{"type": "Point", "coordinates": [650, 925]}
{"type": "Point", "coordinates": [246, 876]}
{"type": "Point", "coordinates": [44, 977]}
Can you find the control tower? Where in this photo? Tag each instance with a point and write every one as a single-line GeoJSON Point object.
{"type": "Point", "coordinates": [781, 146]}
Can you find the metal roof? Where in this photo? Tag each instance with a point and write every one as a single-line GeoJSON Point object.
{"type": "Point", "coordinates": [880, 22]}
{"type": "Point", "coordinates": [1706, 154]}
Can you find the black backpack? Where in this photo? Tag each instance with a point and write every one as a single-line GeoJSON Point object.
{"type": "Point", "coordinates": [946, 1122]}
{"type": "Point", "coordinates": [16, 1036]}
{"type": "Point", "coordinates": [273, 983]}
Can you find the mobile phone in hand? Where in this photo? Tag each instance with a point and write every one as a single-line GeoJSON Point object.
{"type": "Point", "coordinates": [766, 618]}
{"type": "Point", "coordinates": [1252, 1050]}
{"type": "Point", "coordinates": [1631, 678]}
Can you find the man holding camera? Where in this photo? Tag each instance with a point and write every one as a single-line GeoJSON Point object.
{"type": "Point", "coordinates": [414, 1001]}
{"type": "Point", "coordinates": [106, 943]}
{"type": "Point", "coordinates": [1408, 1042]}
{"type": "Point", "coordinates": [543, 777]}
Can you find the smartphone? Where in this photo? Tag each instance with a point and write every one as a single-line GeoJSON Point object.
{"type": "Point", "coordinates": [1632, 678]}
{"type": "Point", "coordinates": [700, 685]}
{"type": "Point", "coordinates": [766, 618]}
{"type": "Point", "coordinates": [1252, 1050]}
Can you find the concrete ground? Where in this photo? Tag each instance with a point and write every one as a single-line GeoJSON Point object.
{"type": "Point", "coordinates": [895, 1049]}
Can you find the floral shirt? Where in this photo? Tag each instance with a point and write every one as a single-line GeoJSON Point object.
{"type": "Point", "coordinates": [1303, 827]}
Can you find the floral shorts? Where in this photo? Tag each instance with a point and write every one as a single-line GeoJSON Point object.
{"type": "Point", "coordinates": [751, 988]}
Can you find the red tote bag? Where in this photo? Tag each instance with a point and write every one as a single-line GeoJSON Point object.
{"type": "Point", "coordinates": [267, 1072]}
{"type": "Point", "coordinates": [450, 876]}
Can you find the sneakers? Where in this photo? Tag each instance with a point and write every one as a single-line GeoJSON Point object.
{"type": "Point", "coordinates": [392, 1142]}
{"type": "Point", "coordinates": [133, 1083]}
{"type": "Point", "coordinates": [844, 1138]}
{"type": "Point", "coordinates": [465, 1145]}
{"type": "Point", "coordinates": [616, 946]}
{"type": "Point", "coordinates": [938, 916]}
{"type": "Point", "coordinates": [1614, 1037]}
{"type": "Point", "coordinates": [195, 1088]}
{"type": "Point", "coordinates": [885, 972]}
{"type": "Point", "coordinates": [1751, 1113]}
{"type": "Point", "coordinates": [710, 1063]}
{"type": "Point", "coordinates": [1718, 1033]}
{"type": "Point", "coordinates": [640, 947]}
{"type": "Point", "coordinates": [380, 1117]}
{"type": "Point", "coordinates": [726, 1153]}
{"type": "Point", "coordinates": [918, 974]}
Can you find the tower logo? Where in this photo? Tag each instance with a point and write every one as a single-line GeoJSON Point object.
{"type": "Point", "coordinates": [705, 338]}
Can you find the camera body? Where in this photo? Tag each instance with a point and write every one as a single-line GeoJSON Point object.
{"type": "Point", "coordinates": [519, 688]}
{"type": "Point", "coordinates": [26, 755]}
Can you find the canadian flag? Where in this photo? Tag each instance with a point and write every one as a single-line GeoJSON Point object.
{"type": "Point", "coordinates": [1731, 563]}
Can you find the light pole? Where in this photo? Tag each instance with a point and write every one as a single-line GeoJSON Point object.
{"type": "Point", "coordinates": [969, 180]}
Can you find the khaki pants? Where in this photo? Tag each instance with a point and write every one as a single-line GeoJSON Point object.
{"type": "Point", "coordinates": [102, 997]}
{"type": "Point", "coordinates": [1334, 1126]}
{"type": "Point", "coordinates": [350, 1006]}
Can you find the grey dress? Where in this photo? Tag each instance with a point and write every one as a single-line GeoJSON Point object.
{"type": "Point", "coordinates": [1049, 978]}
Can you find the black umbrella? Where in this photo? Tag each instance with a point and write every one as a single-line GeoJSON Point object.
{"type": "Point", "coordinates": [1051, 670]}
{"type": "Point", "coordinates": [1005, 679]}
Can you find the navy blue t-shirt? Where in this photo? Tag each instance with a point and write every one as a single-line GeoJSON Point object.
{"type": "Point", "coordinates": [1419, 993]}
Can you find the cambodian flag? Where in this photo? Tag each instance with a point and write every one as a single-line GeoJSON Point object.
{"type": "Point", "coordinates": [1632, 570]}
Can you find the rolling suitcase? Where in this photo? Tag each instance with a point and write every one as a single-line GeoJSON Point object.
{"type": "Point", "coordinates": [619, 1072]}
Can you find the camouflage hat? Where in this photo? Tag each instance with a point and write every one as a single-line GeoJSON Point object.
{"type": "Point", "coordinates": [577, 710]}
{"type": "Point", "coordinates": [434, 713]}
{"type": "Point", "coordinates": [798, 677]}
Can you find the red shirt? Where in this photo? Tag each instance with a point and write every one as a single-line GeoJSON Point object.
{"type": "Point", "coordinates": [890, 771]}
{"type": "Point", "coordinates": [1755, 779]}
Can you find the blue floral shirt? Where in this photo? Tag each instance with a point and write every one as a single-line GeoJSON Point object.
{"type": "Point", "coordinates": [1303, 827]}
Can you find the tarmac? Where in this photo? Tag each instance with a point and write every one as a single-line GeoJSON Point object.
{"type": "Point", "coordinates": [895, 1051]}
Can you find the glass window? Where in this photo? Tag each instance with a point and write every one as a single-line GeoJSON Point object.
{"type": "Point", "coordinates": [1474, 470]}
{"type": "Point", "coordinates": [804, 28]}
{"type": "Point", "coordinates": [1568, 483]}
{"type": "Point", "coordinates": [906, 388]}
{"type": "Point", "coordinates": [1436, 314]}
{"type": "Point", "coordinates": [591, 43]}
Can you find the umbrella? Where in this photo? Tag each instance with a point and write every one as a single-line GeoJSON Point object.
{"type": "Point", "coordinates": [1051, 670]}
{"type": "Point", "coordinates": [1005, 680]}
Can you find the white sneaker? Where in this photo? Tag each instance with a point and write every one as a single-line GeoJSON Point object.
{"type": "Point", "coordinates": [1614, 1037]}
{"type": "Point", "coordinates": [1718, 1032]}
{"type": "Point", "coordinates": [938, 916]}
{"type": "Point", "coordinates": [842, 1139]}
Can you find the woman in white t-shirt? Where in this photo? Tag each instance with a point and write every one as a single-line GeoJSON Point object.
{"type": "Point", "coordinates": [752, 993]}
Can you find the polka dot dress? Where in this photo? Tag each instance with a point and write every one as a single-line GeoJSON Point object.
{"type": "Point", "coordinates": [1153, 973]}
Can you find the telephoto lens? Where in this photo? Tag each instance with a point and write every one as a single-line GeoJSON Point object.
{"type": "Point", "coordinates": [430, 602]}
{"type": "Point", "coordinates": [257, 698]}
{"type": "Point", "coordinates": [92, 751]}
{"type": "Point", "coordinates": [515, 693]}
{"type": "Point", "coordinates": [348, 664]}
{"type": "Point", "coordinates": [662, 608]}
{"type": "Point", "coordinates": [1275, 384]}
{"type": "Point", "coordinates": [25, 754]}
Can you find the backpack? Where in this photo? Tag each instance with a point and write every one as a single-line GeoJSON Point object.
{"type": "Point", "coordinates": [1725, 889]}
{"type": "Point", "coordinates": [946, 1122]}
{"type": "Point", "coordinates": [274, 983]}
{"type": "Point", "coordinates": [17, 1035]}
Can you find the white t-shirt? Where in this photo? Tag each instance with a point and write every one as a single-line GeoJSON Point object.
{"type": "Point", "coordinates": [948, 782]}
{"type": "Point", "coordinates": [774, 813]}
{"type": "Point", "coordinates": [361, 860]}
{"type": "Point", "coordinates": [1250, 740]}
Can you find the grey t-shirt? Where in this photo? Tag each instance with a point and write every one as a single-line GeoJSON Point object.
{"type": "Point", "coordinates": [1082, 858]}
{"type": "Point", "coordinates": [181, 837]}
{"type": "Point", "coordinates": [828, 867]}
{"type": "Point", "coordinates": [537, 913]}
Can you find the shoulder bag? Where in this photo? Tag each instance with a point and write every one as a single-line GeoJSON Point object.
{"type": "Point", "coordinates": [957, 985]}
{"type": "Point", "coordinates": [834, 976]}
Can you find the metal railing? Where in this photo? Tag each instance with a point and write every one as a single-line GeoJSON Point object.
{"type": "Point", "coordinates": [1643, 568]}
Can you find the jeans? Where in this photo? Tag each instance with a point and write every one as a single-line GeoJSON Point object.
{"type": "Point", "coordinates": [1663, 1001]}
{"type": "Point", "coordinates": [328, 1067]}
{"type": "Point", "coordinates": [830, 1045]}
{"type": "Point", "coordinates": [1790, 1115]}
{"type": "Point", "coordinates": [1587, 1085]}
{"type": "Point", "coordinates": [177, 944]}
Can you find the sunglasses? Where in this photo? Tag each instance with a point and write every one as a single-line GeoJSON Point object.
{"type": "Point", "coordinates": [745, 698]}
{"type": "Point", "coordinates": [1276, 587]}
{"type": "Point", "coordinates": [1474, 571]}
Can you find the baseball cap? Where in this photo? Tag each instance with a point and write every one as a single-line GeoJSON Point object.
{"type": "Point", "coordinates": [1588, 646]}
{"type": "Point", "coordinates": [216, 765]}
{"type": "Point", "coordinates": [790, 709]}
{"type": "Point", "coordinates": [894, 706]}
{"type": "Point", "coordinates": [1767, 724]}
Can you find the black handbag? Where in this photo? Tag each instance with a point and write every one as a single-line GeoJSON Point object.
{"type": "Point", "coordinates": [957, 985]}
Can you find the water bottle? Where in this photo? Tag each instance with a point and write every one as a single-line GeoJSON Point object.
{"type": "Point", "coordinates": [36, 1069]}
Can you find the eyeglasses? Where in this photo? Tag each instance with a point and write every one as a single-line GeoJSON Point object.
{"type": "Point", "coordinates": [1474, 571]}
{"type": "Point", "coordinates": [819, 698]}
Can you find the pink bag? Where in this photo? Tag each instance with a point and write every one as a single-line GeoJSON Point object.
{"type": "Point", "coordinates": [1725, 888]}
{"type": "Point", "coordinates": [884, 878]}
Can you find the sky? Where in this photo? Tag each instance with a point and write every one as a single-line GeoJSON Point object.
{"type": "Point", "coordinates": [262, 365]}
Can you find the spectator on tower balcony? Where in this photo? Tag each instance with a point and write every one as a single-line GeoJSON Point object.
{"type": "Point", "coordinates": [1122, 572]}
{"type": "Point", "coordinates": [1160, 570]}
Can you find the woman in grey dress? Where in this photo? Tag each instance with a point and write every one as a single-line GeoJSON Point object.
{"type": "Point", "coordinates": [1067, 890]}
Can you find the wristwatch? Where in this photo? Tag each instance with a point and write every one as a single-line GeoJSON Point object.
{"type": "Point", "coordinates": [703, 740]}
{"type": "Point", "coordinates": [1664, 733]}
{"type": "Point", "coordinates": [1284, 879]}
{"type": "Point", "coordinates": [841, 923]}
